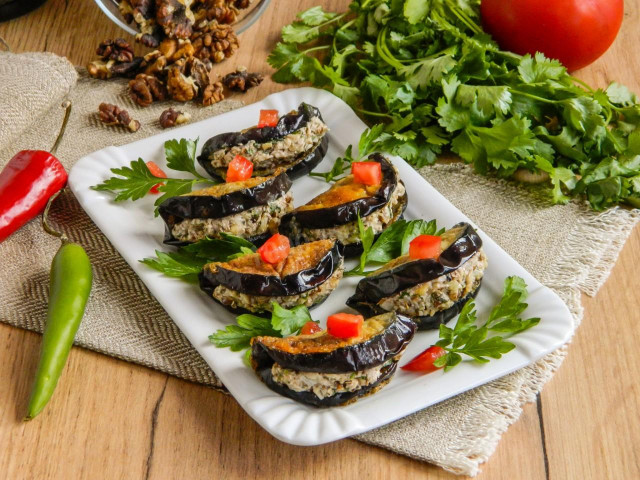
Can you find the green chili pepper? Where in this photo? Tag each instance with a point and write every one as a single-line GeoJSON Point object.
{"type": "Point", "coordinates": [69, 288]}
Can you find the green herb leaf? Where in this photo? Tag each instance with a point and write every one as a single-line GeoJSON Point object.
{"type": "Point", "coordinates": [288, 322]}
{"type": "Point", "coordinates": [132, 183]}
{"type": "Point", "coordinates": [238, 337]}
{"type": "Point", "coordinates": [181, 156]}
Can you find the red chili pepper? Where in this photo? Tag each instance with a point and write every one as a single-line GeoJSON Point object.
{"type": "Point", "coordinates": [424, 361]}
{"type": "Point", "coordinates": [345, 325]}
{"type": "Point", "coordinates": [367, 173]}
{"type": "Point", "coordinates": [239, 169]}
{"type": "Point", "coordinates": [268, 118]}
{"type": "Point", "coordinates": [27, 182]}
{"type": "Point", "coordinates": [275, 249]}
{"type": "Point", "coordinates": [156, 171]}
{"type": "Point", "coordinates": [309, 328]}
{"type": "Point", "coordinates": [425, 246]}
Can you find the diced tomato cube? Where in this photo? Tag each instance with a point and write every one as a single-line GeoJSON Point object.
{"type": "Point", "coordinates": [367, 173]}
{"type": "Point", "coordinates": [156, 171]}
{"type": "Point", "coordinates": [239, 169]}
{"type": "Point", "coordinates": [345, 325]}
{"type": "Point", "coordinates": [424, 361]}
{"type": "Point", "coordinates": [425, 246]}
{"type": "Point", "coordinates": [275, 249]}
{"type": "Point", "coordinates": [309, 328]}
{"type": "Point", "coordinates": [268, 118]}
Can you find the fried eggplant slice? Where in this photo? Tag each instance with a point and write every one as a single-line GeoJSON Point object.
{"type": "Point", "coordinates": [298, 143]}
{"type": "Point", "coordinates": [250, 209]}
{"type": "Point", "coordinates": [247, 284]}
{"type": "Point", "coordinates": [429, 291]}
{"type": "Point", "coordinates": [334, 213]}
{"type": "Point", "coordinates": [323, 371]}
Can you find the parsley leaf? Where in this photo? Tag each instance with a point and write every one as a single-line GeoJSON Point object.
{"type": "Point", "coordinates": [133, 183]}
{"type": "Point", "coordinates": [181, 156]}
{"type": "Point", "coordinates": [188, 261]}
{"type": "Point", "coordinates": [283, 322]}
{"type": "Point", "coordinates": [472, 340]}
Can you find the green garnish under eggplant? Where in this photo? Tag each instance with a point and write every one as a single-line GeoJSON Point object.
{"type": "Point", "coordinates": [343, 203]}
{"type": "Point", "coordinates": [287, 124]}
{"type": "Point", "coordinates": [383, 340]}
{"type": "Point", "coordinates": [250, 275]}
{"type": "Point", "coordinates": [223, 200]}
{"type": "Point", "coordinates": [404, 273]}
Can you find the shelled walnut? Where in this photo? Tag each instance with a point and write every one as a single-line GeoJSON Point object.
{"type": "Point", "coordinates": [241, 80]}
{"type": "Point", "coordinates": [222, 11]}
{"type": "Point", "coordinates": [170, 118]}
{"type": "Point", "coordinates": [113, 115]}
{"type": "Point", "coordinates": [175, 17]}
{"type": "Point", "coordinates": [188, 78]}
{"type": "Point", "coordinates": [213, 41]}
{"type": "Point", "coordinates": [111, 68]}
{"type": "Point", "coordinates": [213, 93]}
{"type": "Point", "coordinates": [118, 50]}
{"type": "Point", "coordinates": [145, 89]}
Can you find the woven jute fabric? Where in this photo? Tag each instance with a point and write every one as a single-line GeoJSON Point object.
{"type": "Point", "coordinates": [569, 248]}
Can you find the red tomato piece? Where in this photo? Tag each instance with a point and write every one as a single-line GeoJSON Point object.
{"type": "Point", "coordinates": [345, 325]}
{"type": "Point", "coordinates": [268, 118]}
{"type": "Point", "coordinates": [309, 328]}
{"type": "Point", "coordinates": [425, 246]}
{"type": "Point", "coordinates": [424, 361]}
{"type": "Point", "coordinates": [275, 249]}
{"type": "Point", "coordinates": [156, 171]}
{"type": "Point", "coordinates": [576, 32]}
{"type": "Point", "coordinates": [239, 169]}
{"type": "Point", "coordinates": [367, 173]}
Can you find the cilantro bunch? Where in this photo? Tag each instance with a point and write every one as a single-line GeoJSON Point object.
{"type": "Point", "coordinates": [432, 81]}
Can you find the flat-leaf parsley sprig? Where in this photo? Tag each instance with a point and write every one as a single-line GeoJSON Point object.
{"type": "Point", "coordinates": [136, 180]}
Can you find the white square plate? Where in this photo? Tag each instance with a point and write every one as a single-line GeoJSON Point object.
{"type": "Point", "coordinates": [133, 230]}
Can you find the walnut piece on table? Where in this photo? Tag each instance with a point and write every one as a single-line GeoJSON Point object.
{"type": "Point", "coordinates": [241, 80]}
{"type": "Point", "coordinates": [145, 89]}
{"type": "Point", "coordinates": [214, 42]}
{"type": "Point", "coordinates": [176, 17]}
{"type": "Point", "coordinates": [170, 118]}
{"type": "Point", "coordinates": [113, 115]}
{"type": "Point", "coordinates": [213, 93]}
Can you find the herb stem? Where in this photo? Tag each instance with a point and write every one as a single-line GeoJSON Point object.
{"type": "Point", "coordinates": [533, 97]}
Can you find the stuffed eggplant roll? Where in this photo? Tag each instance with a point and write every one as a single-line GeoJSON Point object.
{"type": "Point", "coordinates": [307, 276]}
{"type": "Point", "coordinates": [297, 143]}
{"type": "Point", "coordinates": [323, 371]}
{"type": "Point", "coordinates": [334, 213]}
{"type": "Point", "coordinates": [430, 291]}
{"type": "Point", "coordinates": [250, 209]}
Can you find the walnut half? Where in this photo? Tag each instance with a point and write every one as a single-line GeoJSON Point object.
{"type": "Point", "coordinates": [113, 115]}
{"type": "Point", "coordinates": [170, 118]}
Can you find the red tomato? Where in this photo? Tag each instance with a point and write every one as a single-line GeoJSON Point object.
{"type": "Point", "coordinates": [239, 169]}
{"type": "Point", "coordinates": [425, 246]}
{"type": "Point", "coordinates": [424, 361]}
{"type": "Point", "coordinates": [345, 325]}
{"type": "Point", "coordinates": [309, 328]}
{"type": "Point", "coordinates": [367, 173]}
{"type": "Point", "coordinates": [275, 249]}
{"type": "Point", "coordinates": [268, 118]}
{"type": "Point", "coordinates": [156, 171]}
{"type": "Point", "coordinates": [576, 32]}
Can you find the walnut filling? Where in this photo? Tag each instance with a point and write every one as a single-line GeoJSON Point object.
{"type": "Point", "coordinates": [280, 153]}
{"type": "Point", "coordinates": [440, 293]}
{"type": "Point", "coordinates": [260, 303]}
{"type": "Point", "coordinates": [251, 222]}
{"type": "Point", "coordinates": [325, 385]}
{"type": "Point", "coordinates": [348, 233]}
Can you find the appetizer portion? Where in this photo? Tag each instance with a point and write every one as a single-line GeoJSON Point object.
{"type": "Point", "coordinates": [431, 283]}
{"type": "Point", "coordinates": [372, 191]}
{"type": "Point", "coordinates": [352, 358]}
{"type": "Point", "coordinates": [250, 208]}
{"type": "Point", "coordinates": [303, 275]}
{"type": "Point", "coordinates": [296, 142]}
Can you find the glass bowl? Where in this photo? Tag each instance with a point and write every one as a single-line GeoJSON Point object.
{"type": "Point", "coordinates": [247, 17]}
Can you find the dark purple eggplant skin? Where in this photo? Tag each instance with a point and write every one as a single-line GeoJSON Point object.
{"type": "Point", "coordinates": [425, 322]}
{"type": "Point", "coordinates": [302, 166]}
{"type": "Point", "coordinates": [374, 288]}
{"type": "Point", "coordinates": [309, 398]}
{"type": "Point", "coordinates": [287, 124]}
{"type": "Point", "coordinates": [353, 358]}
{"type": "Point", "coordinates": [273, 286]}
{"type": "Point", "coordinates": [169, 239]}
{"type": "Point", "coordinates": [175, 209]}
{"type": "Point", "coordinates": [349, 212]}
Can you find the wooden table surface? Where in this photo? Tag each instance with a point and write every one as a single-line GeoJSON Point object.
{"type": "Point", "coordinates": [115, 420]}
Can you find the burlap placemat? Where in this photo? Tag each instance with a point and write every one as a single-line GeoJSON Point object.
{"type": "Point", "coordinates": [573, 250]}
